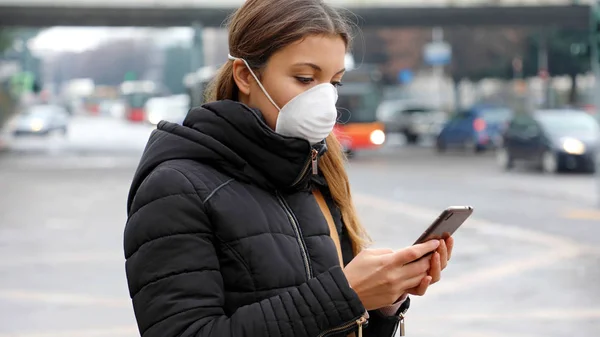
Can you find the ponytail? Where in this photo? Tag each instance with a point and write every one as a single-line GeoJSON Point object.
{"type": "Point", "coordinates": [222, 86]}
{"type": "Point", "coordinates": [332, 165]}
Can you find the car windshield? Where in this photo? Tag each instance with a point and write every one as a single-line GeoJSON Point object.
{"type": "Point", "coordinates": [357, 103]}
{"type": "Point", "coordinates": [386, 109]}
{"type": "Point", "coordinates": [44, 111]}
{"type": "Point", "coordinates": [496, 115]}
{"type": "Point", "coordinates": [569, 123]}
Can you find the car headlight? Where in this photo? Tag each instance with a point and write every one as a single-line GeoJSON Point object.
{"type": "Point", "coordinates": [37, 125]}
{"type": "Point", "coordinates": [154, 118]}
{"type": "Point", "coordinates": [573, 146]}
{"type": "Point", "coordinates": [377, 137]}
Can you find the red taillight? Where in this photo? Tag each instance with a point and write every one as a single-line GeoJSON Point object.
{"type": "Point", "coordinates": [479, 125]}
{"type": "Point", "coordinates": [136, 115]}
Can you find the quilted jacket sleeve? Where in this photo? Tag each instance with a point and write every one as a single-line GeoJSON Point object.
{"type": "Point", "coordinates": [176, 286]}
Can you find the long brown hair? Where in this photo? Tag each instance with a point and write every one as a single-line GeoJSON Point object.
{"type": "Point", "coordinates": [256, 31]}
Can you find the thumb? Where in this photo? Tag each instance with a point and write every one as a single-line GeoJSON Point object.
{"type": "Point", "coordinates": [413, 253]}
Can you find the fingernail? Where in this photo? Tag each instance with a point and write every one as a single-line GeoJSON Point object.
{"type": "Point", "coordinates": [437, 243]}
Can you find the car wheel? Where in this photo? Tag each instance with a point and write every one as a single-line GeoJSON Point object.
{"type": "Point", "coordinates": [54, 133]}
{"type": "Point", "coordinates": [504, 159]}
{"type": "Point", "coordinates": [440, 146]}
{"type": "Point", "coordinates": [549, 162]}
{"type": "Point", "coordinates": [472, 146]}
{"type": "Point", "coordinates": [411, 138]}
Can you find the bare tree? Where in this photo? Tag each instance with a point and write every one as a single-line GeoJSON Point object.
{"type": "Point", "coordinates": [108, 63]}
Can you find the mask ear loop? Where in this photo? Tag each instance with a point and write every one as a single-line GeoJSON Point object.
{"type": "Point", "coordinates": [232, 58]}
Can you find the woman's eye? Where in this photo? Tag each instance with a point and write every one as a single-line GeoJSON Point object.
{"type": "Point", "coordinates": [305, 80]}
{"type": "Point", "coordinates": [337, 84]}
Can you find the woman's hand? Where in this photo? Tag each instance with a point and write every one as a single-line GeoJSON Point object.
{"type": "Point", "coordinates": [439, 261]}
{"type": "Point", "coordinates": [381, 276]}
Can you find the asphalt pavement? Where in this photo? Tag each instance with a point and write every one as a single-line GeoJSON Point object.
{"type": "Point", "coordinates": [526, 264]}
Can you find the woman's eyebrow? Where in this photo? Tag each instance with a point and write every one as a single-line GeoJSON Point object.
{"type": "Point", "coordinates": [316, 67]}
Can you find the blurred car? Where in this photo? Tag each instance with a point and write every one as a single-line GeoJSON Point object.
{"type": "Point", "coordinates": [112, 108]}
{"type": "Point", "coordinates": [357, 128]}
{"type": "Point", "coordinates": [412, 118]}
{"type": "Point", "coordinates": [40, 120]}
{"type": "Point", "coordinates": [553, 139]}
{"type": "Point", "coordinates": [476, 129]}
{"type": "Point", "coordinates": [171, 108]}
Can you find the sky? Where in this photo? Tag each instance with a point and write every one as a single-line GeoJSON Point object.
{"type": "Point", "coordinates": [79, 39]}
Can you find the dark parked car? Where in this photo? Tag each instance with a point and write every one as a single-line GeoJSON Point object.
{"type": "Point", "coordinates": [476, 129]}
{"type": "Point", "coordinates": [555, 140]}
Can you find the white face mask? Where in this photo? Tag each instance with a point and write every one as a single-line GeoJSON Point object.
{"type": "Point", "coordinates": [311, 115]}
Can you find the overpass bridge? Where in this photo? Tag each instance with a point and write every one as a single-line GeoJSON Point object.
{"type": "Point", "coordinates": [370, 13]}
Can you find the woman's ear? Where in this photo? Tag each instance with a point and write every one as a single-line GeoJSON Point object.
{"type": "Point", "coordinates": [242, 76]}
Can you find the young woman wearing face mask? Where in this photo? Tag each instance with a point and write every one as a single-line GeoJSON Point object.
{"type": "Point", "coordinates": [241, 223]}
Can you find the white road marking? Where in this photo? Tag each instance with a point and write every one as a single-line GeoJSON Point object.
{"type": "Point", "coordinates": [480, 333]}
{"type": "Point", "coordinates": [554, 315]}
{"type": "Point", "coordinates": [54, 259]}
{"type": "Point", "coordinates": [483, 226]}
{"type": "Point", "coordinates": [484, 276]}
{"type": "Point", "coordinates": [582, 214]}
{"type": "Point", "coordinates": [122, 331]}
{"type": "Point", "coordinates": [21, 295]}
{"type": "Point", "coordinates": [559, 248]}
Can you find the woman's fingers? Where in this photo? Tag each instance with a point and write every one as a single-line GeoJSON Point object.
{"type": "Point", "coordinates": [413, 253]}
{"type": "Point", "coordinates": [443, 251]}
{"type": "Point", "coordinates": [422, 288]}
{"type": "Point", "coordinates": [436, 268]}
{"type": "Point", "coordinates": [414, 282]}
{"type": "Point", "coordinates": [449, 246]}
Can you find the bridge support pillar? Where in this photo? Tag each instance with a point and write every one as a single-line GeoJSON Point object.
{"type": "Point", "coordinates": [595, 65]}
{"type": "Point", "coordinates": [543, 67]}
{"type": "Point", "coordinates": [197, 59]}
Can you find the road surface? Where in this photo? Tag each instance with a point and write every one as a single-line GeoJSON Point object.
{"type": "Point", "coordinates": [525, 265]}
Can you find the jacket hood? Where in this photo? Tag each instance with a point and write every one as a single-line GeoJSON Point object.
{"type": "Point", "coordinates": [231, 137]}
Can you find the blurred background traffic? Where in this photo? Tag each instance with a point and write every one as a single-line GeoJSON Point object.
{"type": "Point", "coordinates": [481, 102]}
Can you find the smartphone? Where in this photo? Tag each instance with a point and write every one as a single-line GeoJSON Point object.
{"type": "Point", "coordinates": [446, 224]}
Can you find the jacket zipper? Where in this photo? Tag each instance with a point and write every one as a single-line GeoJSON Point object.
{"type": "Point", "coordinates": [401, 324]}
{"type": "Point", "coordinates": [299, 237]}
{"type": "Point", "coordinates": [312, 160]}
{"type": "Point", "coordinates": [346, 327]}
{"type": "Point", "coordinates": [315, 161]}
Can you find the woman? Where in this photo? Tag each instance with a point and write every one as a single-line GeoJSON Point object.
{"type": "Point", "coordinates": [239, 220]}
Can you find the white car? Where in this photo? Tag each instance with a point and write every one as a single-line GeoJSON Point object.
{"type": "Point", "coordinates": [171, 108]}
{"type": "Point", "coordinates": [413, 119]}
{"type": "Point", "coordinates": [43, 119]}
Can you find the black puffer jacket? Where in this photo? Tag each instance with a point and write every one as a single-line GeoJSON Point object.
{"type": "Point", "coordinates": [224, 237]}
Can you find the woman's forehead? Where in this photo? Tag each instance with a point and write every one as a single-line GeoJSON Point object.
{"type": "Point", "coordinates": [323, 51]}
